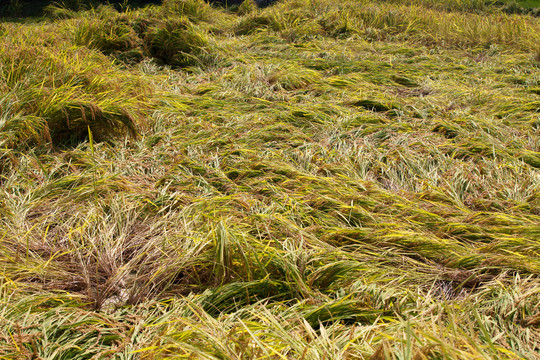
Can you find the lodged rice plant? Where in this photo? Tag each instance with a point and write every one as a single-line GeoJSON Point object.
{"type": "Point", "coordinates": [309, 180]}
{"type": "Point", "coordinates": [62, 92]}
{"type": "Point", "coordinates": [178, 43]}
{"type": "Point", "coordinates": [166, 35]}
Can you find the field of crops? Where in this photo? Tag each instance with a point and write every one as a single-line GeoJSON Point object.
{"type": "Point", "coordinates": [316, 179]}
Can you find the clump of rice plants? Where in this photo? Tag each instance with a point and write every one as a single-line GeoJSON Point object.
{"type": "Point", "coordinates": [177, 42]}
{"type": "Point", "coordinates": [293, 78]}
{"type": "Point", "coordinates": [194, 10]}
{"type": "Point", "coordinates": [112, 36]}
{"type": "Point", "coordinates": [62, 93]}
{"type": "Point", "coordinates": [174, 41]}
{"type": "Point", "coordinates": [247, 7]}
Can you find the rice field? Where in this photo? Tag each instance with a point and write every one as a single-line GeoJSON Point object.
{"type": "Point", "coordinates": [315, 179]}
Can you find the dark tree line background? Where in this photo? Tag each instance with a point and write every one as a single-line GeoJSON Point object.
{"type": "Point", "coordinates": [35, 8]}
{"type": "Point", "coordinates": [29, 8]}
